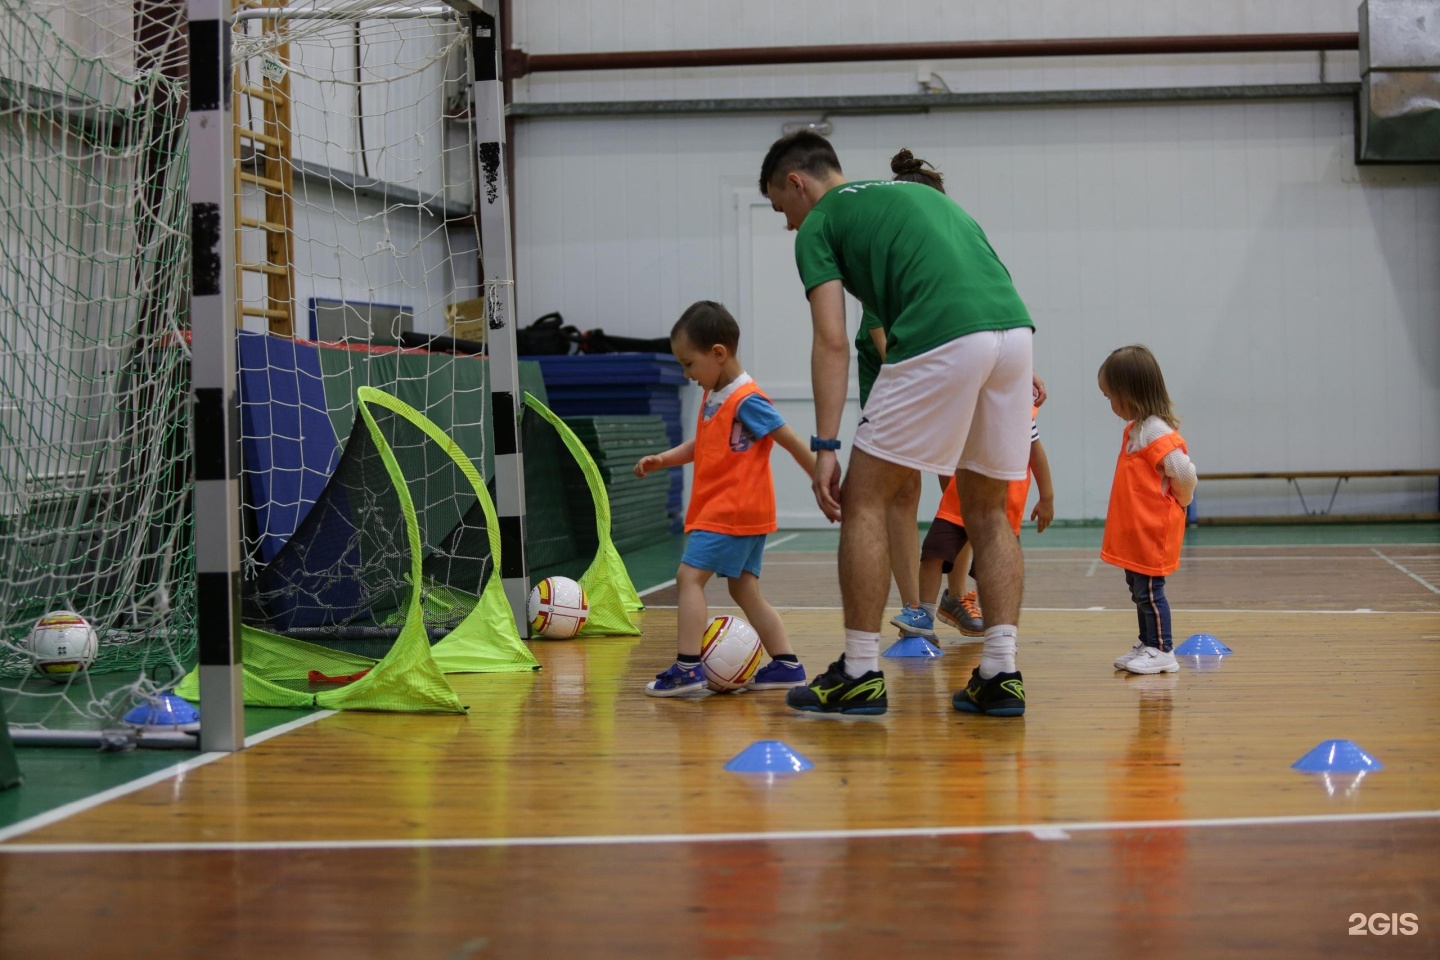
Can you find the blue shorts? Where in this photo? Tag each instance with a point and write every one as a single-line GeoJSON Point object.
{"type": "Point", "coordinates": [723, 554]}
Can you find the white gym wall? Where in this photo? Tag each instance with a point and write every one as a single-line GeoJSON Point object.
{"type": "Point", "coordinates": [1292, 297]}
{"type": "Point", "coordinates": [356, 247]}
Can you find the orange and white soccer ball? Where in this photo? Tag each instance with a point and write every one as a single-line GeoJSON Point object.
{"type": "Point", "coordinates": [730, 653]}
{"type": "Point", "coordinates": [62, 644]}
{"type": "Point", "coordinates": [557, 608]}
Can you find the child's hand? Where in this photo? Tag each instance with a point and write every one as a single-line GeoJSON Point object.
{"type": "Point", "coordinates": [648, 464]}
{"type": "Point", "coordinates": [1043, 513]}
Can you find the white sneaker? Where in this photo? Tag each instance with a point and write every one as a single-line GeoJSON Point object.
{"type": "Point", "coordinates": [1152, 660]}
{"type": "Point", "coordinates": [1129, 655]}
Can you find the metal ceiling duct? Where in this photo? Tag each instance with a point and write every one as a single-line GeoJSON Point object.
{"type": "Point", "coordinates": [1399, 117]}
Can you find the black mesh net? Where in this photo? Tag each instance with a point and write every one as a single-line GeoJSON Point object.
{"type": "Point", "coordinates": [560, 532]}
{"type": "Point", "coordinates": [343, 580]}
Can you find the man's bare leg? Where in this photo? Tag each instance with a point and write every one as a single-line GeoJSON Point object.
{"type": "Point", "coordinates": [871, 486]}
{"type": "Point", "coordinates": [904, 540]}
{"type": "Point", "coordinates": [999, 568]}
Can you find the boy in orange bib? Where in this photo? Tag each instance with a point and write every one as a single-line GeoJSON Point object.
{"type": "Point", "coordinates": [1154, 483]}
{"type": "Point", "coordinates": [732, 500]}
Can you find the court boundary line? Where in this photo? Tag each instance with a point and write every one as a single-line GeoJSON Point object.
{"type": "Point", "coordinates": [1029, 558]}
{"type": "Point", "coordinates": [1412, 575]}
{"type": "Point", "coordinates": [1041, 831]}
{"type": "Point", "coordinates": [1126, 609]}
{"type": "Point", "coordinates": [671, 581]}
{"type": "Point", "coordinates": [65, 811]}
{"type": "Point", "coordinates": [1030, 545]}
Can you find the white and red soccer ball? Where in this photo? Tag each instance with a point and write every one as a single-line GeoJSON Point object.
{"type": "Point", "coordinates": [62, 644]}
{"type": "Point", "coordinates": [558, 608]}
{"type": "Point", "coordinates": [730, 653]}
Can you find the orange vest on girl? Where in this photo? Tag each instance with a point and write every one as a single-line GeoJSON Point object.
{"type": "Point", "coordinates": [1145, 525]}
{"type": "Point", "coordinates": [1015, 497]}
{"type": "Point", "coordinates": [731, 491]}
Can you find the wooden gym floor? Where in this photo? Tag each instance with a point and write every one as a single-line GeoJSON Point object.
{"type": "Point", "coordinates": [568, 815]}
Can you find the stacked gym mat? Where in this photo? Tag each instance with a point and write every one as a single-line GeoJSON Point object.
{"type": "Point", "coordinates": [639, 507]}
{"type": "Point", "coordinates": [622, 387]}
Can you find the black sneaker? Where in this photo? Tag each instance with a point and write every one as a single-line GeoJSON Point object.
{"type": "Point", "coordinates": [835, 690]}
{"type": "Point", "coordinates": [1003, 695]}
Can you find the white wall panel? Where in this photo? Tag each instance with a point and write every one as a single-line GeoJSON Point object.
{"type": "Point", "coordinates": [1292, 297]}
{"type": "Point", "coordinates": [562, 26]}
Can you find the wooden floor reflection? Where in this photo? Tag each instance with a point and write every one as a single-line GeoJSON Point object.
{"type": "Point", "coordinates": [566, 814]}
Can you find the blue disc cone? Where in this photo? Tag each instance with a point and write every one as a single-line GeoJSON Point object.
{"type": "Point", "coordinates": [168, 710]}
{"type": "Point", "coordinates": [1201, 663]}
{"type": "Point", "coordinates": [913, 647]}
{"type": "Point", "coordinates": [768, 756]}
{"type": "Point", "coordinates": [1337, 756]}
{"type": "Point", "coordinates": [1202, 645]}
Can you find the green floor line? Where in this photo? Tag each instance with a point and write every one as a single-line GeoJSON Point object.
{"type": "Point", "coordinates": [55, 776]}
{"type": "Point", "coordinates": [1088, 536]}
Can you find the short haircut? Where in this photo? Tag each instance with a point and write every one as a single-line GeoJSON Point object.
{"type": "Point", "coordinates": [1133, 374]}
{"type": "Point", "coordinates": [804, 151]}
{"type": "Point", "coordinates": [706, 323]}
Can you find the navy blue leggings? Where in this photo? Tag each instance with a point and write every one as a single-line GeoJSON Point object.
{"type": "Point", "coordinates": [1154, 610]}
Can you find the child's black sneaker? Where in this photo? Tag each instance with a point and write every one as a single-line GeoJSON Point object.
{"type": "Point", "coordinates": [1003, 695]}
{"type": "Point", "coordinates": [835, 691]}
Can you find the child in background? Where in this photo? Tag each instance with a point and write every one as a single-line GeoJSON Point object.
{"type": "Point", "coordinates": [732, 499]}
{"type": "Point", "coordinates": [946, 540]}
{"type": "Point", "coordinates": [959, 606]}
{"type": "Point", "coordinates": [1154, 483]}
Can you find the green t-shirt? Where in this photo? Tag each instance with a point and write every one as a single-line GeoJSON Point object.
{"type": "Point", "coordinates": [912, 257]}
{"type": "Point", "coordinates": [867, 358]}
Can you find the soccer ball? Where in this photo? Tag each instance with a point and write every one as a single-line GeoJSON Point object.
{"type": "Point", "coordinates": [730, 653]}
{"type": "Point", "coordinates": [62, 644]}
{"type": "Point", "coordinates": [557, 608]}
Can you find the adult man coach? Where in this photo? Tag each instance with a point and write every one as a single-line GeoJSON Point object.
{"type": "Point", "coordinates": [954, 394]}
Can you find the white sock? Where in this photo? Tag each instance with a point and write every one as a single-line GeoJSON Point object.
{"type": "Point", "coordinates": [999, 653]}
{"type": "Point", "coordinates": [862, 652]}
{"type": "Point", "coordinates": [928, 608]}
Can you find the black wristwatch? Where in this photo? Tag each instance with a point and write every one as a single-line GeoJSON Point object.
{"type": "Point", "coordinates": [816, 444]}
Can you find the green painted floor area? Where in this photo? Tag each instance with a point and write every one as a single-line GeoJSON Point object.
{"type": "Point", "coordinates": [1087, 536]}
{"type": "Point", "coordinates": [55, 776]}
{"type": "Point", "coordinates": [656, 564]}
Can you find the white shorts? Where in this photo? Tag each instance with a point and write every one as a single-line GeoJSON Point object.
{"type": "Point", "coordinates": [964, 405]}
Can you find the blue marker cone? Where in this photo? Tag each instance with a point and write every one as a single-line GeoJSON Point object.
{"type": "Point", "coordinates": [1337, 756]}
{"type": "Point", "coordinates": [1202, 645]}
{"type": "Point", "coordinates": [768, 756]}
{"type": "Point", "coordinates": [168, 710]}
{"type": "Point", "coordinates": [912, 647]}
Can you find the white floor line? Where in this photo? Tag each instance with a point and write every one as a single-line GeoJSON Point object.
{"type": "Point", "coordinates": [159, 776]}
{"type": "Point", "coordinates": [1129, 608]}
{"type": "Point", "coordinates": [1048, 830]}
{"type": "Point", "coordinates": [1031, 543]}
{"type": "Point", "coordinates": [1090, 571]}
{"type": "Point", "coordinates": [1409, 573]}
{"type": "Point", "coordinates": [671, 582]}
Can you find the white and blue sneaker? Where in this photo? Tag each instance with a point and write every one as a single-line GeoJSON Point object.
{"type": "Point", "coordinates": [915, 622]}
{"type": "Point", "coordinates": [777, 675]}
{"type": "Point", "coordinates": [677, 681]}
